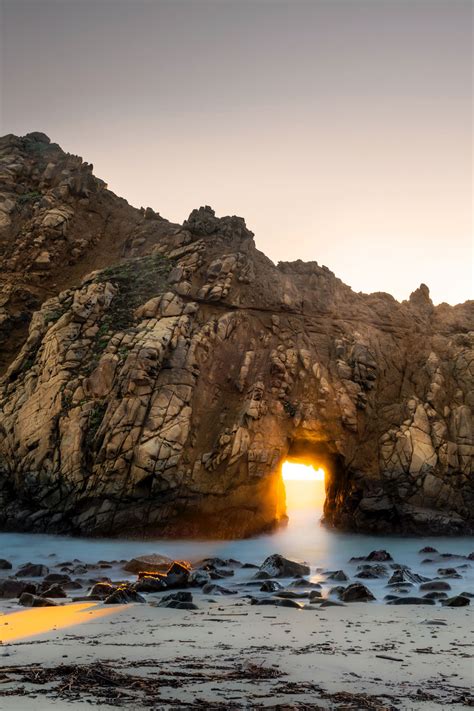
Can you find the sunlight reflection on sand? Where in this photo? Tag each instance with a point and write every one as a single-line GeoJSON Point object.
{"type": "Point", "coordinates": [38, 620]}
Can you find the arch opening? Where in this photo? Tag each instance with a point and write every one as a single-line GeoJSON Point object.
{"type": "Point", "coordinates": [314, 481]}
{"type": "Point", "coordinates": [304, 487]}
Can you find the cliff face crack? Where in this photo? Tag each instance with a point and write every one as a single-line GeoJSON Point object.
{"type": "Point", "coordinates": [161, 393]}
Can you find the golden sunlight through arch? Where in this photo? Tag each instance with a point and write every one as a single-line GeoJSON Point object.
{"type": "Point", "coordinates": [304, 487]}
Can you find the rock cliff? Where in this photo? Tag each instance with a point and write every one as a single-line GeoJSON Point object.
{"type": "Point", "coordinates": [156, 375]}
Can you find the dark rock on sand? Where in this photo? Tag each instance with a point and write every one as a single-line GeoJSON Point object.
{"type": "Point", "coordinates": [411, 601]}
{"type": "Point", "coordinates": [55, 591]}
{"type": "Point", "coordinates": [435, 585]}
{"type": "Point", "coordinates": [404, 576]}
{"type": "Point", "coordinates": [277, 602]}
{"type": "Point", "coordinates": [100, 591]}
{"type": "Point", "coordinates": [436, 595]}
{"type": "Point", "coordinates": [303, 582]}
{"type": "Point", "coordinates": [150, 583]}
{"type": "Point", "coordinates": [181, 596]}
{"type": "Point", "coordinates": [371, 572]}
{"type": "Point", "coordinates": [402, 589]}
{"type": "Point", "coordinates": [32, 570]}
{"type": "Point", "coordinates": [338, 575]}
{"type": "Point", "coordinates": [270, 586]}
{"type": "Point", "coordinates": [456, 601]}
{"type": "Point", "coordinates": [180, 600]}
{"type": "Point", "coordinates": [152, 563]}
{"type": "Point", "coordinates": [123, 595]}
{"type": "Point", "coordinates": [449, 573]}
{"type": "Point", "coordinates": [220, 573]}
{"type": "Point", "coordinates": [290, 594]}
{"type": "Point", "coordinates": [177, 575]}
{"type": "Point", "coordinates": [199, 578]}
{"type": "Point", "coordinates": [60, 578]}
{"type": "Point", "coordinates": [276, 566]}
{"type": "Point", "coordinates": [215, 589]}
{"type": "Point", "coordinates": [182, 605]}
{"type": "Point", "coordinates": [356, 593]}
{"type": "Point", "coordinates": [30, 600]}
{"type": "Point", "coordinates": [380, 556]}
{"type": "Point", "coordinates": [11, 587]}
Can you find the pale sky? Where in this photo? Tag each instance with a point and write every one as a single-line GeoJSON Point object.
{"type": "Point", "coordinates": [340, 129]}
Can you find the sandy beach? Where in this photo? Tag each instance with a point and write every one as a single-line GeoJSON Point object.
{"type": "Point", "coordinates": [229, 654]}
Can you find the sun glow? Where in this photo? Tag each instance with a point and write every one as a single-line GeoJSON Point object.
{"type": "Point", "coordinates": [292, 471]}
{"type": "Point", "coordinates": [305, 489]}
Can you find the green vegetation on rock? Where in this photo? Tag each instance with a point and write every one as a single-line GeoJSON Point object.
{"type": "Point", "coordinates": [138, 280]}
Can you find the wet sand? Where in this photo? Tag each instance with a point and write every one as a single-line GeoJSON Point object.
{"type": "Point", "coordinates": [229, 654]}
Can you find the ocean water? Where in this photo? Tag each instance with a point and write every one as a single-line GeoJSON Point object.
{"type": "Point", "coordinates": [303, 539]}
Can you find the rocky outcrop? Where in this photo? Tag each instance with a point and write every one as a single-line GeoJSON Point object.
{"type": "Point", "coordinates": [159, 395]}
{"type": "Point", "coordinates": [57, 222]}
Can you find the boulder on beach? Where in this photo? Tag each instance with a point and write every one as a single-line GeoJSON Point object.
{"type": "Point", "coordinates": [30, 600]}
{"type": "Point", "coordinates": [150, 583]}
{"type": "Point", "coordinates": [60, 578]}
{"type": "Point", "coordinates": [215, 589]}
{"type": "Point", "coordinates": [177, 575]}
{"type": "Point", "coordinates": [290, 594]}
{"type": "Point", "coordinates": [276, 566]}
{"type": "Point", "coordinates": [199, 578]}
{"type": "Point", "coordinates": [338, 575]}
{"type": "Point", "coordinates": [435, 585]}
{"type": "Point", "coordinates": [411, 601]}
{"type": "Point", "coordinates": [55, 591]}
{"type": "Point", "coordinates": [123, 595]}
{"type": "Point", "coordinates": [404, 576]}
{"type": "Point", "coordinates": [179, 600]}
{"type": "Point", "coordinates": [32, 570]}
{"type": "Point", "coordinates": [277, 602]}
{"type": "Point", "coordinates": [456, 601]}
{"type": "Point", "coordinates": [436, 595]}
{"type": "Point", "coordinates": [305, 583]}
{"type": "Point", "coordinates": [356, 593]}
{"type": "Point", "coordinates": [102, 590]}
{"type": "Point", "coordinates": [151, 563]}
{"type": "Point", "coordinates": [11, 587]}
{"type": "Point", "coordinates": [270, 586]}
{"type": "Point", "coordinates": [449, 573]}
{"type": "Point", "coordinates": [380, 556]}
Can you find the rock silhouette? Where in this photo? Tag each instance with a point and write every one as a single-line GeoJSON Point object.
{"type": "Point", "coordinates": [156, 375]}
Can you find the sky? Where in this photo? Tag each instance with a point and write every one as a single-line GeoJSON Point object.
{"type": "Point", "coordinates": [340, 129]}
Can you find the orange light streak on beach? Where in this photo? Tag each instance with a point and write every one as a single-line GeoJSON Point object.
{"type": "Point", "coordinates": [38, 620]}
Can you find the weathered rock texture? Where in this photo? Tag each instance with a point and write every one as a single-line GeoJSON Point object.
{"type": "Point", "coordinates": [160, 395]}
{"type": "Point", "coordinates": [57, 222]}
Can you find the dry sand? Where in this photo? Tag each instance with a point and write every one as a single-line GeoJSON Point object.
{"type": "Point", "coordinates": [229, 654]}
